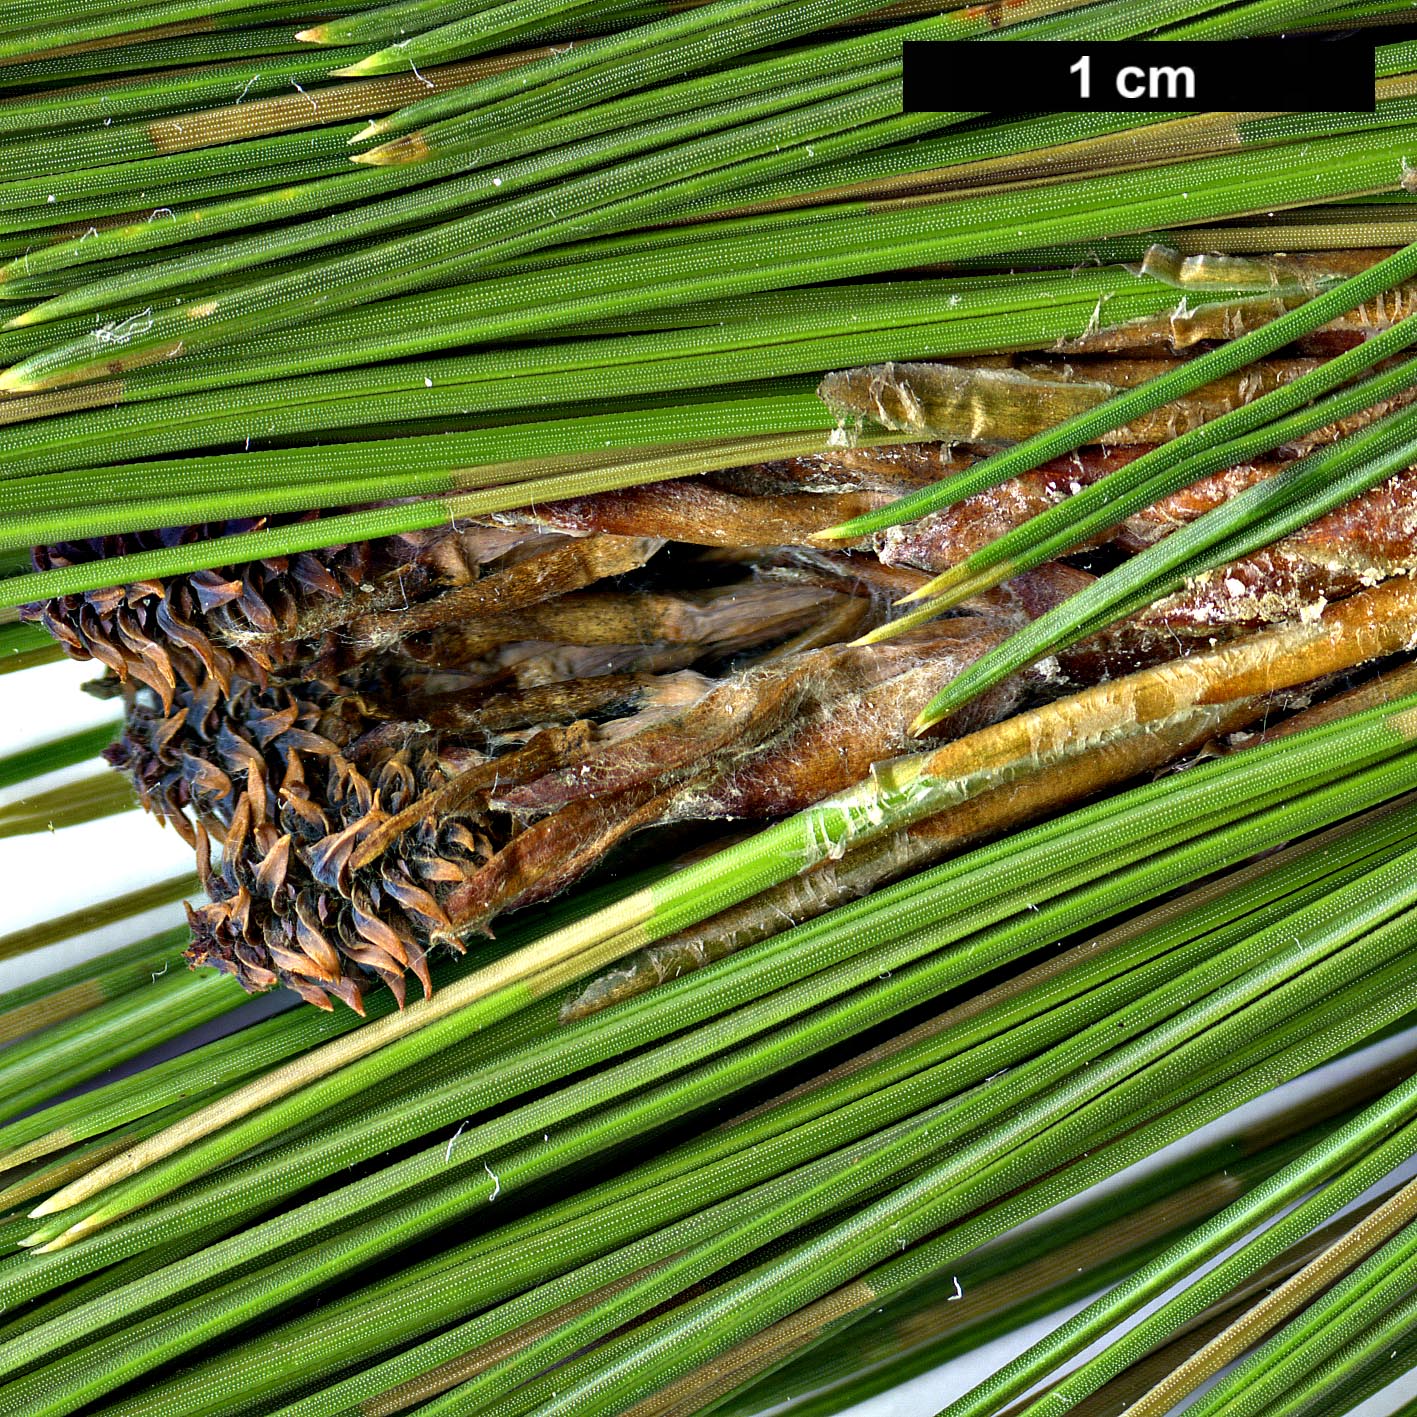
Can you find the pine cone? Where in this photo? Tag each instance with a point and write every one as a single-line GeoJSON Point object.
{"type": "Point", "coordinates": [280, 617]}
{"type": "Point", "coordinates": [339, 837]}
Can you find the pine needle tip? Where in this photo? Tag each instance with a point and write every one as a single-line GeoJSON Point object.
{"type": "Point", "coordinates": [62, 1242]}
{"type": "Point", "coordinates": [13, 381]}
{"type": "Point", "coordinates": [932, 588]}
{"type": "Point", "coordinates": [924, 722]}
{"type": "Point", "coordinates": [407, 149]}
{"type": "Point", "coordinates": [893, 628]}
{"type": "Point", "coordinates": [946, 702]}
{"type": "Point", "coordinates": [958, 584]}
{"type": "Point", "coordinates": [364, 68]}
{"type": "Point", "coordinates": [876, 636]}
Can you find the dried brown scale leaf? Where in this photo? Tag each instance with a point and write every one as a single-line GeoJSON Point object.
{"type": "Point", "coordinates": [889, 468]}
{"type": "Point", "coordinates": [1374, 534]}
{"type": "Point", "coordinates": [1182, 330]}
{"type": "Point", "coordinates": [1142, 639]}
{"type": "Point", "coordinates": [521, 667]}
{"type": "Point", "coordinates": [815, 474]}
{"type": "Point", "coordinates": [1375, 528]}
{"type": "Point", "coordinates": [1356, 545]}
{"type": "Point", "coordinates": [1185, 328]}
{"type": "Point", "coordinates": [735, 713]}
{"type": "Point", "coordinates": [1146, 638]}
{"type": "Point", "coordinates": [1272, 585]}
{"type": "Point", "coordinates": [834, 745]}
{"type": "Point", "coordinates": [697, 512]}
{"type": "Point", "coordinates": [550, 854]}
{"type": "Point", "coordinates": [604, 696]}
{"type": "Point", "coordinates": [844, 621]}
{"type": "Point", "coordinates": [864, 577]}
{"type": "Point", "coordinates": [789, 732]}
{"type": "Point", "coordinates": [1369, 537]}
{"type": "Point", "coordinates": [720, 619]}
{"type": "Point", "coordinates": [1030, 595]}
{"type": "Point", "coordinates": [949, 536]}
{"type": "Point", "coordinates": [1394, 683]}
{"type": "Point", "coordinates": [969, 404]}
{"type": "Point", "coordinates": [1218, 396]}
{"type": "Point", "coordinates": [761, 711]}
{"type": "Point", "coordinates": [569, 566]}
{"type": "Point", "coordinates": [447, 558]}
{"type": "Point", "coordinates": [861, 870]}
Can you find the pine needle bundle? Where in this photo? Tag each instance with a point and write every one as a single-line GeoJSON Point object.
{"type": "Point", "coordinates": [810, 692]}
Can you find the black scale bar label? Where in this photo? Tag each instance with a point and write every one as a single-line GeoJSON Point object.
{"type": "Point", "coordinates": [1279, 74]}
